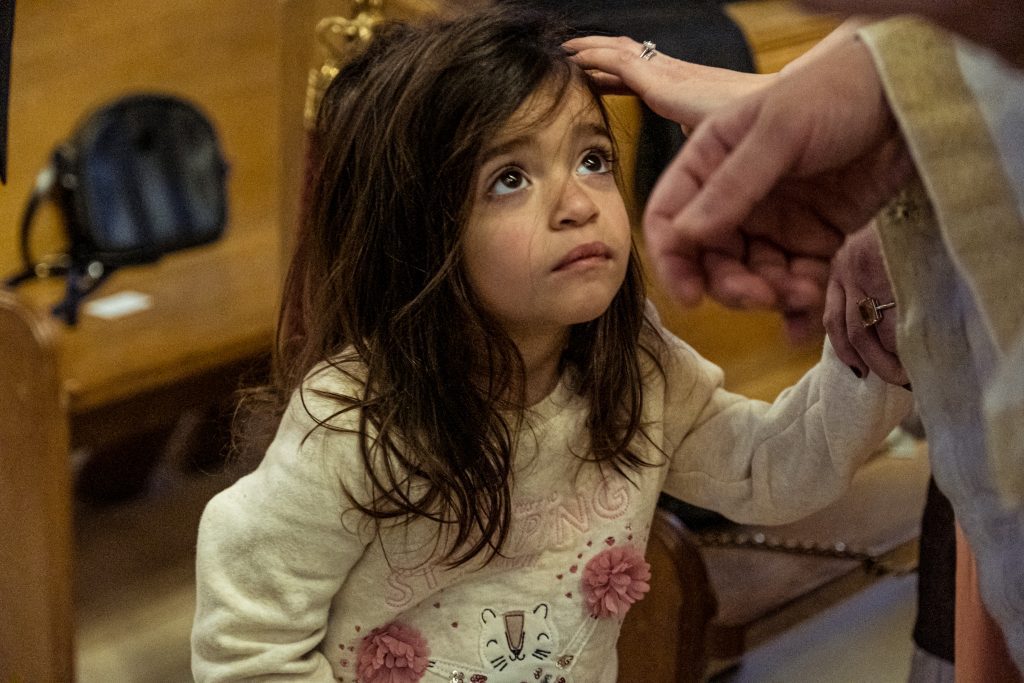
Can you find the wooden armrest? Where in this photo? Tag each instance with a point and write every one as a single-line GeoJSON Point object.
{"type": "Point", "coordinates": [663, 635]}
{"type": "Point", "coordinates": [710, 604]}
{"type": "Point", "coordinates": [35, 500]}
{"type": "Point", "coordinates": [763, 592]}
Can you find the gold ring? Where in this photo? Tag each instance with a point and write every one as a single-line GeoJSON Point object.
{"type": "Point", "coordinates": [871, 310]}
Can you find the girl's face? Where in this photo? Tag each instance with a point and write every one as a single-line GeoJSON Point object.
{"type": "Point", "coordinates": [548, 238]}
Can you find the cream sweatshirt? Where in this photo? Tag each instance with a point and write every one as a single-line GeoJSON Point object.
{"type": "Point", "coordinates": [293, 584]}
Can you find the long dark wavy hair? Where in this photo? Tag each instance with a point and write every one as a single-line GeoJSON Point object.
{"type": "Point", "coordinates": [377, 288]}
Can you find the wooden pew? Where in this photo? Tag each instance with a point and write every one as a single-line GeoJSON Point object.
{"type": "Point", "coordinates": [35, 502]}
{"type": "Point", "coordinates": [777, 31]}
{"type": "Point", "coordinates": [212, 310]}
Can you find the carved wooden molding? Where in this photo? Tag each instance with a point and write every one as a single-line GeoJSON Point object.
{"type": "Point", "coordinates": [339, 38]}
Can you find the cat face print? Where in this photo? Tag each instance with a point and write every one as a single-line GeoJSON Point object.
{"type": "Point", "coordinates": [517, 639]}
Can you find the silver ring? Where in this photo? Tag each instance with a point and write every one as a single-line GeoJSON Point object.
{"type": "Point", "coordinates": [648, 52]}
{"type": "Point", "coordinates": [871, 310]}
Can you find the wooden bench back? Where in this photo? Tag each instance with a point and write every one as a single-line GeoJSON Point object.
{"type": "Point", "coordinates": [68, 59]}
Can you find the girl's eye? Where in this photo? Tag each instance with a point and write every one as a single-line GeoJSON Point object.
{"type": "Point", "coordinates": [509, 180]}
{"type": "Point", "coordinates": [595, 161]}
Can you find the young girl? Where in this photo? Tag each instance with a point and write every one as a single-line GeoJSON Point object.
{"type": "Point", "coordinates": [483, 410]}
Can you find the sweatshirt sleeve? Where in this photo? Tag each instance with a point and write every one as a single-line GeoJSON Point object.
{"type": "Point", "coordinates": [772, 463]}
{"type": "Point", "coordinates": [273, 550]}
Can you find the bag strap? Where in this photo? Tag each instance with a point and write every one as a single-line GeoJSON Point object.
{"type": "Point", "coordinates": [41, 190]}
{"type": "Point", "coordinates": [82, 279]}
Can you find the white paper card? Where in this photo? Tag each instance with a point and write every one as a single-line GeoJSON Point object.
{"type": "Point", "coordinates": [119, 305]}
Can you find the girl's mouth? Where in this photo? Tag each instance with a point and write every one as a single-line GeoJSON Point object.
{"type": "Point", "coordinates": [585, 255]}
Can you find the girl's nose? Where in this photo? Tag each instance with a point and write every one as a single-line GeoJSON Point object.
{"type": "Point", "coordinates": [575, 206]}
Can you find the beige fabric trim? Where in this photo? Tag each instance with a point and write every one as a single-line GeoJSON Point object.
{"type": "Point", "coordinates": [959, 166]}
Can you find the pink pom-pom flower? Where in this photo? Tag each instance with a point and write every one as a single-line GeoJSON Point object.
{"type": "Point", "coordinates": [393, 653]}
{"type": "Point", "coordinates": [614, 579]}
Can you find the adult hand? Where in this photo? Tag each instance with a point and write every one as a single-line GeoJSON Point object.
{"type": "Point", "coordinates": [797, 164]}
{"type": "Point", "coordinates": [801, 283]}
{"type": "Point", "coordinates": [996, 24]}
{"type": "Point", "coordinates": [674, 89]}
{"type": "Point", "coordinates": [858, 272]}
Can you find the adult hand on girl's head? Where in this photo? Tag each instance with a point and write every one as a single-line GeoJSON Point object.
{"type": "Point", "coordinates": [676, 90]}
{"type": "Point", "coordinates": [680, 91]}
{"type": "Point", "coordinates": [858, 272]}
{"type": "Point", "coordinates": [798, 164]}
